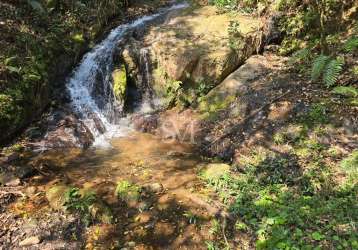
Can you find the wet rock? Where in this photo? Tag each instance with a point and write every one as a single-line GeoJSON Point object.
{"type": "Point", "coordinates": [34, 240]}
{"type": "Point", "coordinates": [33, 132]}
{"type": "Point", "coordinates": [65, 130]}
{"type": "Point", "coordinates": [183, 126]}
{"type": "Point", "coordinates": [145, 123]}
{"type": "Point", "coordinates": [25, 171]}
{"type": "Point", "coordinates": [56, 196]}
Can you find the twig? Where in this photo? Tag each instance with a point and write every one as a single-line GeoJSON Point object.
{"type": "Point", "coordinates": [223, 231]}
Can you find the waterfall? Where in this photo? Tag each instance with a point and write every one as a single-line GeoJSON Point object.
{"type": "Point", "coordinates": [90, 85]}
{"type": "Point", "coordinates": [145, 81]}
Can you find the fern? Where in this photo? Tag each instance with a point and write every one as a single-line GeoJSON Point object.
{"type": "Point", "coordinates": [36, 6]}
{"type": "Point", "coordinates": [318, 66]}
{"type": "Point", "coordinates": [347, 91]}
{"type": "Point", "coordinates": [332, 71]}
{"type": "Point", "coordinates": [301, 55]}
{"type": "Point", "coordinates": [351, 45]}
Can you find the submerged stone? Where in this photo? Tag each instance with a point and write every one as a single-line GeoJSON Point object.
{"type": "Point", "coordinates": [56, 196]}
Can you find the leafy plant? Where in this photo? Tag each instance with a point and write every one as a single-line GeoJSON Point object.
{"type": "Point", "coordinates": [127, 191]}
{"type": "Point", "coordinates": [332, 72]}
{"type": "Point", "coordinates": [351, 45]}
{"type": "Point", "coordinates": [77, 202]}
{"type": "Point", "coordinates": [235, 36]}
{"type": "Point", "coordinates": [215, 227]}
{"type": "Point", "coordinates": [350, 163]}
{"type": "Point", "coordinates": [36, 6]}
{"type": "Point", "coordinates": [327, 68]}
{"type": "Point", "coordinates": [192, 218]}
{"type": "Point", "coordinates": [347, 91]}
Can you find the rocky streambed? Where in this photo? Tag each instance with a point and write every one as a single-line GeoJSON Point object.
{"type": "Point", "coordinates": [151, 114]}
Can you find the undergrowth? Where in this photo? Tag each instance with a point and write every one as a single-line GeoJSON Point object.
{"type": "Point", "coordinates": [304, 198]}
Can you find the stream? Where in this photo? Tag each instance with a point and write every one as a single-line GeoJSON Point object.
{"type": "Point", "coordinates": [161, 218]}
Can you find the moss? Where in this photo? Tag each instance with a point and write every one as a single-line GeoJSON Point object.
{"type": "Point", "coordinates": [211, 105]}
{"type": "Point", "coordinates": [119, 77]}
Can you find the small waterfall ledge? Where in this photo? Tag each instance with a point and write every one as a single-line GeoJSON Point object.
{"type": "Point", "coordinates": [91, 90]}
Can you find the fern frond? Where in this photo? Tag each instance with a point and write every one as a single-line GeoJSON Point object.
{"type": "Point", "coordinates": [318, 66]}
{"type": "Point", "coordinates": [301, 55]}
{"type": "Point", "coordinates": [348, 91]}
{"type": "Point", "coordinates": [351, 45]}
{"type": "Point", "coordinates": [332, 72]}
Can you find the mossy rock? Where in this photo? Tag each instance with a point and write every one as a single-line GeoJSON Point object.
{"type": "Point", "coordinates": [119, 77]}
{"type": "Point", "coordinates": [56, 196]}
{"type": "Point", "coordinates": [101, 212]}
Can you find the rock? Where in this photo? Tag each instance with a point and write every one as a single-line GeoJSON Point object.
{"type": "Point", "coordinates": [30, 191]}
{"type": "Point", "coordinates": [8, 179]}
{"type": "Point", "coordinates": [25, 172]}
{"type": "Point", "coordinates": [101, 212]}
{"type": "Point", "coordinates": [56, 196]}
{"type": "Point", "coordinates": [214, 171]}
{"type": "Point", "coordinates": [119, 77]}
{"type": "Point", "coordinates": [183, 126]}
{"type": "Point", "coordinates": [155, 187]}
{"type": "Point", "coordinates": [65, 130]}
{"type": "Point", "coordinates": [10, 157]}
{"type": "Point", "coordinates": [34, 240]}
{"type": "Point", "coordinates": [237, 83]}
{"type": "Point", "coordinates": [201, 53]}
{"type": "Point", "coordinates": [131, 244]}
{"type": "Point", "coordinates": [145, 123]}
{"type": "Point", "coordinates": [271, 29]}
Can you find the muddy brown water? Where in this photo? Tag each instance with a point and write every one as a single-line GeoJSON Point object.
{"type": "Point", "coordinates": [177, 217]}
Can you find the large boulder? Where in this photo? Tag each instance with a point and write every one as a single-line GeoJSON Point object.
{"type": "Point", "coordinates": [236, 84]}
{"type": "Point", "coordinates": [192, 46]}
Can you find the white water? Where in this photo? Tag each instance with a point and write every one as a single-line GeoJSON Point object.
{"type": "Point", "coordinates": [97, 111]}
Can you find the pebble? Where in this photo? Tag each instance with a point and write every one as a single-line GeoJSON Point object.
{"type": "Point", "coordinates": [155, 187]}
{"type": "Point", "coordinates": [33, 240]}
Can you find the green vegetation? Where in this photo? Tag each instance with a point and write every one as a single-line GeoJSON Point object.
{"type": "Point", "coordinates": [128, 191]}
{"type": "Point", "coordinates": [41, 41]}
{"type": "Point", "coordinates": [75, 202]}
{"type": "Point", "coordinates": [119, 77]}
{"type": "Point", "coordinates": [297, 199]}
{"type": "Point", "coordinates": [87, 205]}
{"type": "Point", "coordinates": [285, 205]}
{"type": "Point", "coordinates": [322, 32]}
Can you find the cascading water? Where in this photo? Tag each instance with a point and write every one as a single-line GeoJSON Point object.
{"type": "Point", "coordinates": [90, 86]}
